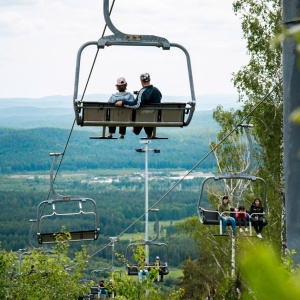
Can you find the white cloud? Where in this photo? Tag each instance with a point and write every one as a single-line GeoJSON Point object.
{"type": "Point", "coordinates": [18, 2]}
{"type": "Point", "coordinates": [40, 39]}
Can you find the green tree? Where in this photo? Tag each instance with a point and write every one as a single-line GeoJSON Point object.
{"type": "Point", "coordinates": [259, 19]}
{"type": "Point", "coordinates": [254, 81]}
{"type": "Point", "coordinates": [44, 275]}
{"type": "Point", "coordinates": [128, 288]}
{"type": "Point", "coordinates": [267, 277]}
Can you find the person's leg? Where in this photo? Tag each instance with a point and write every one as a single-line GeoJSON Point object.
{"type": "Point", "coordinates": [161, 275]}
{"type": "Point", "coordinates": [122, 130]}
{"type": "Point", "coordinates": [233, 224]}
{"type": "Point", "coordinates": [224, 224]}
{"type": "Point", "coordinates": [148, 131]}
{"type": "Point", "coordinates": [260, 225]}
{"type": "Point", "coordinates": [137, 130]}
{"type": "Point", "coordinates": [112, 129]}
{"type": "Point", "coordinates": [254, 224]}
{"type": "Point", "coordinates": [239, 222]}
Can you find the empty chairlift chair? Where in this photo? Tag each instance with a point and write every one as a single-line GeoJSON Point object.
{"type": "Point", "coordinates": [76, 215]}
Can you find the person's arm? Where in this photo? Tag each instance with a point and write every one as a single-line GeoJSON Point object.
{"type": "Point", "coordinates": [251, 209]}
{"type": "Point", "coordinates": [220, 210]}
{"type": "Point", "coordinates": [140, 99]}
{"type": "Point", "coordinates": [112, 99]}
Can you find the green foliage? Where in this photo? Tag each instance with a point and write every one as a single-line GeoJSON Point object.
{"type": "Point", "coordinates": [129, 288]}
{"type": "Point", "coordinates": [208, 275]}
{"type": "Point", "coordinates": [266, 276]}
{"type": "Point", "coordinates": [260, 24]}
{"type": "Point", "coordinates": [295, 115]}
{"type": "Point", "coordinates": [43, 274]}
{"type": "Point", "coordinates": [8, 269]}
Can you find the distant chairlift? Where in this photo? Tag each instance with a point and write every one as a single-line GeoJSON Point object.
{"type": "Point", "coordinates": [155, 247]}
{"type": "Point", "coordinates": [89, 113]}
{"type": "Point", "coordinates": [210, 216]}
{"type": "Point", "coordinates": [65, 211]}
{"type": "Point", "coordinates": [110, 269]}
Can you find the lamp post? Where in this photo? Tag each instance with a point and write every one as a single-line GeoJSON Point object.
{"type": "Point", "coordinates": [146, 150]}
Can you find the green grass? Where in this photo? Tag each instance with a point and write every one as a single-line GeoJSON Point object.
{"type": "Point", "coordinates": [139, 235]}
{"type": "Point", "coordinates": [175, 272]}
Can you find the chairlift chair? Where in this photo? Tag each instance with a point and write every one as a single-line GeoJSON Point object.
{"type": "Point", "coordinates": [210, 216]}
{"type": "Point", "coordinates": [60, 210]}
{"type": "Point", "coordinates": [132, 267]}
{"type": "Point", "coordinates": [90, 113]}
{"type": "Point", "coordinates": [110, 269]}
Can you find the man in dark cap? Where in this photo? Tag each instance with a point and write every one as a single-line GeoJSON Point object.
{"type": "Point", "coordinates": [147, 94]}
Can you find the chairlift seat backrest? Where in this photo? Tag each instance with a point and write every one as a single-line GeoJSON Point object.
{"type": "Point", "coordinates": [156, 115]}
{"type": "Point", "coordinates": [94, 290]}
{"type": "Point", "coordinates": [210, 217]}
{"type": "Point", "coordinates": [75, 236]}
{"type": "Point", "coordinates": [45, 235]}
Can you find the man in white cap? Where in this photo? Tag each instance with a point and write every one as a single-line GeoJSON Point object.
{"type": "Point", "coordinates": [147, 94]}
{"type": "Point", "coordinates": [120, 95]}
{"type": "Point", "coordinates": [157, 265]}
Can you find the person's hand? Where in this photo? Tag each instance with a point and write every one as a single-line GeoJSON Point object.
{"type": "Point", "coordinates": [118, 103]}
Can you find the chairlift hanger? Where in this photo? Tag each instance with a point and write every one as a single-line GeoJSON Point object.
{"type": "Point", "coordinates": [44, 235]}
{"type": "Point", "coordinates": [133, 268]}
{"type": "Point", "coordinates": [209, 216]}
{"type": "Point", "coordinates": [89, 113]}
{"type": "Point", "coordinates": [110, 268]}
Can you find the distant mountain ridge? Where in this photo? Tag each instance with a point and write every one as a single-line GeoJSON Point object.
{"type": "Point", "coordinates": [57, 111]}
{"type": "Point", "coordinates": [204, 102]}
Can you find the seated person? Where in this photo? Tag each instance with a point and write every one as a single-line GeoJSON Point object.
{"type": "Point", "coordinates": [143, 269]}
{"type": "Point", "coordinates": [147, 94]}
{"type": "Point", "coordinates": [120, 95]}
{"type": "Point", "coordinates": [241, 217]}
{"type": "Point", "coordinates": [157, 265]}
{"type": "Point", "coordinates": [111, 292]}
{"type": "Point", "coordinates": [224, 212]}
{"type": "Point", "coordinates": [102, 289]}
{"type": "Point", "coordinates": [257, 217]}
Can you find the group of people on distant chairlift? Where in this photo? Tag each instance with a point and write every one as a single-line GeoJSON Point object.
{"type": "Point", "coordinates": [148, 94]}
{"type": "Point", "coordinates": [239, 216]}
{"type": "Point", "coordinates": [144, 269]}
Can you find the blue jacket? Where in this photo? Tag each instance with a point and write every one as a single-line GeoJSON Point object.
{"type": "Point", "coordinates": [121, 96]}
{"type": "Point", "coordinates": [146, 95]}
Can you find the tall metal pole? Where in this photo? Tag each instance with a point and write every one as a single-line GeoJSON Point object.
{"type": "Point", "coordinates": [146, 150]}
{"type": "Point", "coordinates": [291, 132]}
{"type": "Point", "coordinates": [146, 202]}
{"type": "Point", "coordinates": [233, 256]}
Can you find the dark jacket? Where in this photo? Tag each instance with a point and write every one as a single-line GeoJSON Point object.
{"type": "Point", "coordinates": [147, 95]}
{"type": "Point", "coordinates": [256, 210]}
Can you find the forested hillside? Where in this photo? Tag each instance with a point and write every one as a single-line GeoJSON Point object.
{"type": "Point", "coordinates": [24, 150]}
{"type": "Point", "coordinates": [117, 210]}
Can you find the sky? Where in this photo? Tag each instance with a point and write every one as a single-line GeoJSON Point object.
{"type": "Point", "coordinates": [39, 40]}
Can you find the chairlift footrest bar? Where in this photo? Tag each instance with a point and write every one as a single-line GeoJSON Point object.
{"type": "Point", "coordinates": [102, 138]}
{"type": "Point", "coordinates": [154, 138]}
